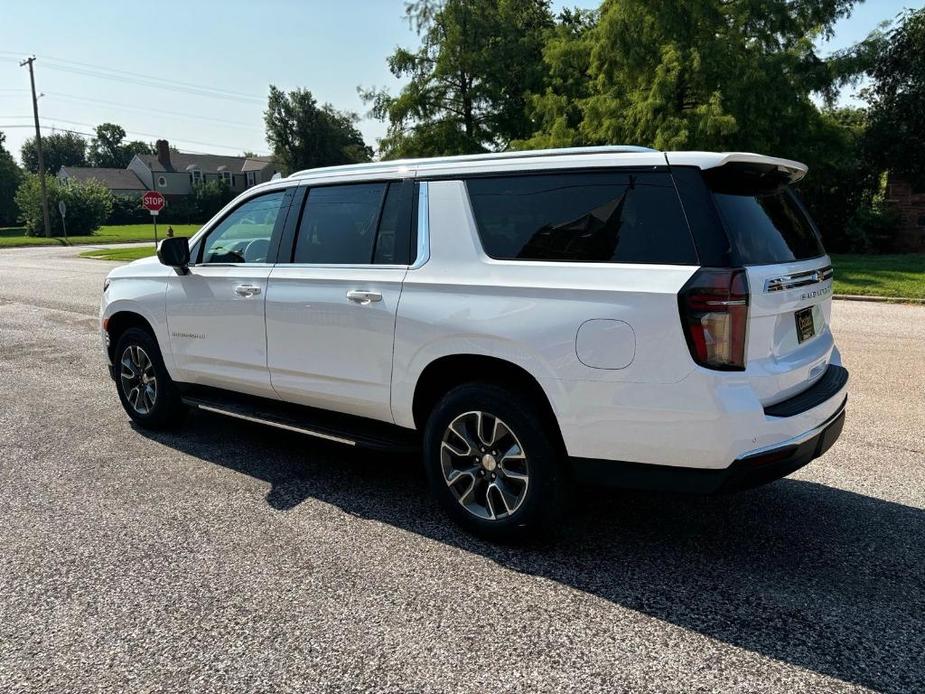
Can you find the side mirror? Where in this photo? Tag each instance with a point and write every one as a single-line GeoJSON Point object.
{"type": "Point", "coordinates": [174, 252]}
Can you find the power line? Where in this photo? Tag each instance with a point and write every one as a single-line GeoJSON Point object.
{"type": "Point", "coordinates": [126, 76]}
{"type": "Point", "coordinates": [145, 109]}
{"type": "Point", "coordinates": [172, 86]}
{"type": "Point", "coordinates": [46, 126]}
{"type": "Point", "coordinates": [144, 134]}
{"type": "Point", "coordinates": [85, 134]}
{"type": "Point", "coordinates": [105, 72]}
{"type": "Point", "coordinates": [150, 78]}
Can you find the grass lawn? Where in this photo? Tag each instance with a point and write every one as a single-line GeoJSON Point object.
{"type": "Point", "coordinates": [122, 254]}
{"type": "Point", "coordinates": [880, 275]}
{"type": "Point", "coordinates": [126, 233]}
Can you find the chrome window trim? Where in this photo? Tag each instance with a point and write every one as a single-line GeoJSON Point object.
{"type": "Point", "coordinates": [799, 279]}
{"type": "Point", "coordinates": [343, 266]}
{"type": "Point", "coordinates": [304, 266]}
{"type": "Point", "coordinates": [423, 235]}
{"type": "Point", "coordinates": [193, 265]}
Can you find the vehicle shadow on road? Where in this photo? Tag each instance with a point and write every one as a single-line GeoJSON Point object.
{"type": "Point", "coordinates": [820, 578]}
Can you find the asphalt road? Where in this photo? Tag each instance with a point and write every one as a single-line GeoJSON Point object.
{"type": "Point", "coordinates": [229, 557]}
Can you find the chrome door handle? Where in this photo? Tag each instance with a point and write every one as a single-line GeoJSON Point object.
{"type": "Point", "coordinates": [247, 290]}
{"type": "Point", "coordinates": [363, 297]}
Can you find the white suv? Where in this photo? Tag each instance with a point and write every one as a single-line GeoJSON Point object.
{"type": "Point", "coordinates": [611, 315]}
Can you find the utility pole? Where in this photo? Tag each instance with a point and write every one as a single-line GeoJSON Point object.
{"type": "Point", "coordinates": [38, 145]}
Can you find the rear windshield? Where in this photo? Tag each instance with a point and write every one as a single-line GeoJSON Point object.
{"type": "Point", "coordinates": [766, 224]}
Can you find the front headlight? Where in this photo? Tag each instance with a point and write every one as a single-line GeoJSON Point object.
{"type": "Point", "coordinates": [106, 283]}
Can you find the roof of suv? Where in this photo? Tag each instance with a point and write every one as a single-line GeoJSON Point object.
{"type": "Point", "coordinates": [570, 157]}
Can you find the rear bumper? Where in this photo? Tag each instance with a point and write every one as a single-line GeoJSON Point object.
{"type": "Point", "coordinates": [833, 380]}
{"type": "Point", "coordinates": [751, 470]}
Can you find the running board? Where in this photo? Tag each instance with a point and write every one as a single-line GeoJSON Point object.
{"type": "Point", "coordinates": [321, 424]}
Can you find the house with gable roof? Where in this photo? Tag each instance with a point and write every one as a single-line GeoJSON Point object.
{"type": "Point", "coordinates": [175, 173]}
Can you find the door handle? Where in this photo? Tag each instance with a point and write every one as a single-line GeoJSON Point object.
{"type": "Point", "coordinates": [363, 297]}
{"type": "Point", "coordinates": [247, 290]}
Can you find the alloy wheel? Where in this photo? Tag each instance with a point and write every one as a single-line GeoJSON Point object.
{"type": "Point", "coordinates": [484, 465]}
{"type": "Point", "coordinates": [139, 381]}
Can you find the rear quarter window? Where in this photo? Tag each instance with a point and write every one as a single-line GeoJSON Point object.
{"type": "Point", "coordinates": [619, 217]}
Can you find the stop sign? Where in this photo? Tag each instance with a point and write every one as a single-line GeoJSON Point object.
{"type": "Point", "coordinates": [153, 201]}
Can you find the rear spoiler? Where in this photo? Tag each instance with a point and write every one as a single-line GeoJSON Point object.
{"type": "Point", "coordinates": [792, 170]}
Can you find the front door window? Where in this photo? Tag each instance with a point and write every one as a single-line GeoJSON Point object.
{"type": "Point", "coordinates": [244, 235]}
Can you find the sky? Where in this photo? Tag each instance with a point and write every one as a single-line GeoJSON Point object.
{"type": "Point", "coordinates": [197, 72]}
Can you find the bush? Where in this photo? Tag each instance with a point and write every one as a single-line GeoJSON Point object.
{"type": "Point", "coordinates": [196, 208]}
{"type": "Point", "coordinates": [872, 228]}
{"type": "Point", "coordinates": [210, 197]}
{"type": "Point", "coordinates": [179, 210]}
{"type": "Point", "coordinates": [127, 209]}
{"type": "Point", "coordinates": [89, 204]}
{"type": "Point", "coordinates": [182, 210]}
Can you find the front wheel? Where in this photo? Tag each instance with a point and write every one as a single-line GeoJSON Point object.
{"type": "Point", "coordinates": [492, 462]}
{"type": "Point", "coordinates": [146, 391]}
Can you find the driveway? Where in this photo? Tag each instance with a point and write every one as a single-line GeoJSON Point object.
{"type": "Point", "coordinates": [229, 557]}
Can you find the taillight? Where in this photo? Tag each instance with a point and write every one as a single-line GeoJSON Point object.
{"type": "Point", "coordinates": [714, 315]}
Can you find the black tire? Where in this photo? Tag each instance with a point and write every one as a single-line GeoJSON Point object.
{"type": "Point", "coordinates": [545, 492]}
{"type": "Point", "coordinates": [165, 410]}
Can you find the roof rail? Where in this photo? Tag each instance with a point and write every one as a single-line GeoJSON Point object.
{"type": "Point", "coordinates": [491, 156]}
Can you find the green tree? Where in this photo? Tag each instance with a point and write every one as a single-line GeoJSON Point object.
{"type": "Point", "coordinates": [58, 149]}
{"type": "Point", "coordinates": [713, 75]}
{"type": "Point", "coordinates": [895, 140]}
{"type": "Point", "coordinates": [110, 150]}
{"type": "Point", "coordinates": [557, 112]}
{"type": "Point", "coordinates": [89, 204]}
{"type": "Point", "coordinates": [304, 135]}
{"type": "Point", "coordinates": [468, 82]}
{"type": "Point", "coordinates": [10, 176]}
{"type": "Point", "coordinates": [688, 74]}
{"type": "Point", "coordinates": [841, 181]}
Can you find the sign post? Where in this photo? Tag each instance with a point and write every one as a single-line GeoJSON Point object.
{"type": "Point", "coordinates": [153, 202]}
{"type": "Point", "coordinates": [62, 208]}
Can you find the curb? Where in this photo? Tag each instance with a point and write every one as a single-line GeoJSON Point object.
{"type": "Point", "coordinates": [884, 299]}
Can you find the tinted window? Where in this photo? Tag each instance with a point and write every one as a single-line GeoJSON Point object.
{"type": "Point", "coordinates": [710, 239]}
{"type": "Point", "coordinates": [604, 217]}
{"type": "Point", "coordinates": [767, 228]}
{"type": "Point", "coordinates": [393, 241]}
{"type": "Point", "coordinates": [339, 224]}
{"type": "Point", "coordinates": [244, 235]}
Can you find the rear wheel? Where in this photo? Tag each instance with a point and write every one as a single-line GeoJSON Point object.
{"type": "Point", "coordinates": [146, 391]}
{"type": "Point", "coordinates": [492, 462]}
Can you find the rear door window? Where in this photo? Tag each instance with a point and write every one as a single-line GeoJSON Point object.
{"type": "Point", "coordinates": [356, 224]}
{"type": "Point", "coordinates": [339, 225]}
{"type": "Point", "coordinates": [610, 216]}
